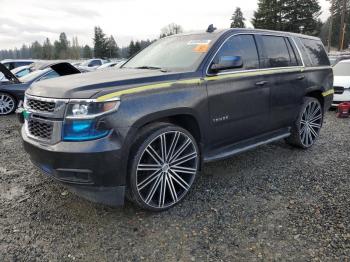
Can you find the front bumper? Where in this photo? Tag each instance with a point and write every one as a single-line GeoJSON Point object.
{"type": "Point", "coordinates": [91, 169]}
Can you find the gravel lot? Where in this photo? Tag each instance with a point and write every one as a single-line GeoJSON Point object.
{"type": "Point", "coordinates": [272, 203]}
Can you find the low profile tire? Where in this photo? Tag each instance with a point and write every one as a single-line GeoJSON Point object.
{"type": "Point", "coordinates": [7, 104]}
{"type": "Point", "coordinates": [164, 165]}
{"type": "Point", "coordinates": [307, 127]}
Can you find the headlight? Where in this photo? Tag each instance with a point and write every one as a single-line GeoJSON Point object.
{"type": "Point", "coordinates": [88, 109]}
{"type": "Point", "coordinates": [82, 116]}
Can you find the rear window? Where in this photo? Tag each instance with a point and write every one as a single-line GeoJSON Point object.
{"type": "Point", "coordinates": [278, 52]}
{"type": "Point", "coordinates": [314, 53]}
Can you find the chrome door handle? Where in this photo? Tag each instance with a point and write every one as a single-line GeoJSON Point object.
{"type": "Point", "coordinates": [261, 83]}
{"type": "Point", "coordinates": [300, 77]}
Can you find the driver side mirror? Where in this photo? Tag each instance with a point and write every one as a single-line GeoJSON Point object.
{"type": "Point", "coordinates": [227, 62]}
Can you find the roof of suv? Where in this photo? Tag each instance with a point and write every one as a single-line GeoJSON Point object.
{"type": "Point", "coordinates": [221, 32]}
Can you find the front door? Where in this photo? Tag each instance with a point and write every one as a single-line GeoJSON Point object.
{"type": "Point", "coordinates": [239, 99]}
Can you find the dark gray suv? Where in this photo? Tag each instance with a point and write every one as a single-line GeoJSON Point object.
{"type": "Point", "coordinates": [143, 131]}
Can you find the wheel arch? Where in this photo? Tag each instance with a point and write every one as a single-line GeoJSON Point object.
{"type": "Point", "coordinates": [318, 95]}
{"type": "Point", "coordinates": [184, 118]}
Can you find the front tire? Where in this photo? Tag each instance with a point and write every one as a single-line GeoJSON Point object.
{"type": "Point", "coordinates": [307, 127]}
{"type": "Point", "coordinates": [7, 104]}
{"type": "Point", "coordinates": [164, 166]}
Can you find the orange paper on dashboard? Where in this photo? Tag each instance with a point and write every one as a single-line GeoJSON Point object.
{"type": "Point", "coordinates": [201, 48]}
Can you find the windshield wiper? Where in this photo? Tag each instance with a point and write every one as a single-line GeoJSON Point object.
{"type": "Point", "coordinates": [151, 68]}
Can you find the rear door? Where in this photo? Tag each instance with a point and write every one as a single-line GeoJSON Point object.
{"type": "Point", "coordinates": [284, 76]}
{"type": "Point", "coordinates": [238, 100]}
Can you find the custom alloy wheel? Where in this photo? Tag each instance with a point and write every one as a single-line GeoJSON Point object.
{"type": "Point", "coordinates": [311, 123]}
{"type": "Point", "coordinates": [7, 104]}
{"type": "Point", "coordinates": [307, 127]}
{"type": "Point", "coordinates": [167, 164]}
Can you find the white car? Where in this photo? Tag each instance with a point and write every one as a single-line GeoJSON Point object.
{"type": "Point", "coordinates": [92, 64]}
{"type": "Point", "coordinates": [341, 82]}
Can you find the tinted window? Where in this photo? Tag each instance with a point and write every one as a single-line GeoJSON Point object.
{"type": "Point", "coordinates": [315, 51]}
{"type": "Point", "coordinates": [276, 52]}
{"type": "Point", "coordinates": [49, 75]}
{"type": "Point", "coordinates": [292, 54]}
{"type": "Point", "coordinates": [243, 46]}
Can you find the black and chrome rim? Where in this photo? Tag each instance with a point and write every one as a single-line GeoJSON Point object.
{"type": "Point", "coordinates": [166, 169]}
{"type": "Point", "coordinates": [7, 104]}
{"type": "Point", "coordinates": [311, 123]}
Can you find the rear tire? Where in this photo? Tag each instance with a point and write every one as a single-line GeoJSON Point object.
{"type": "Point", "coordinates": [307, 127]}
{"type": "Point", "coordinates": [164, 164]}
{"type": "Point", "coordinates": [8, 104]}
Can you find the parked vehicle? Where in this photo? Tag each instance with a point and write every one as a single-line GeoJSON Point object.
{"type": "Point", "coordinates": [335, 59]}
{"type": "Point", "coordinates": [341, 82]}
{"type": "Point", "coordinates": [107, 65]}
{"type": "Point", "coordinates": [92, 64]}
{"type": "Point", "coordinates": [14, 63]}
{"type": "Point", "coordinates": [12, 91]}
{"type": "Point", "coordinates": [22, 71]}
{"type": "Point", "coordinates": [145, 130]}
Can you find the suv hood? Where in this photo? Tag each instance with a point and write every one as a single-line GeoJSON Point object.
{"type": "Point", "coordinates": [88, 85]}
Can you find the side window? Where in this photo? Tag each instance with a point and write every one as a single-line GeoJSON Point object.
{"type": "Point", "coordinates": [243, 46]}
{"type": "Point", "coordinates": [292, 54]}
{"type": "Point", "coordinates": [276, 52]}
{"type": "Point", "coordinates": [316, 52]}
{"type": "Point", "coordinates": [49, 75]}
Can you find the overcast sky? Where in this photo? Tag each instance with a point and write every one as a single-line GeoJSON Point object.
{"type": "Point", "coordinates": [26, 21]}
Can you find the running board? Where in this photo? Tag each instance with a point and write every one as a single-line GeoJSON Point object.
{"type": "Point", "coordinates": [229, 151]}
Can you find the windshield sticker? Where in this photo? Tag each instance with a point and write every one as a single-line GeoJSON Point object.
{"type": "Point", "coordinates": [199, 42]}
{"type": "Point", "coordinates": [201, 48]}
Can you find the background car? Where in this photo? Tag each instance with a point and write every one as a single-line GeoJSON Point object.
{"type": "Point", "coordinates": [11, 64]}
{"type": "Point", "coordinates": [12, 91]}
{"type": "Point", "coordinates": [14, 63]}
{"type": "Point", "coordinates": [341, 82]}
{"type": "Point", "coordinates": [335, 59]}
{"type": "Point", "coordinates": [92, 64]}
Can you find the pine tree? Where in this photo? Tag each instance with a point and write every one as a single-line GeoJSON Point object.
{"type": "Point", "coordinates": [301, 13]}
{"type": "Point", "coordinates": [75, 49]}
{"type": "Point", "coordinates": [288, 15]}
{"type": "Point", "coordinates": [37, 50]}
{"type": "Point", "coordinates": [268, 15]}
{"type": "Point", "coordinates": [113, 49]}
{"type": "Point", "coordinates": [132, 50]}
{"type": "Point", "coordinates": [47, 50]}
{"type": "Point", "coordinates": [87, 52]}
{"type": "Point", "coordinates": [61, 47]}
{"type": "Point", "coordinates": [100, 43]}
{"type": "Point", "coordinates": [238, 19]}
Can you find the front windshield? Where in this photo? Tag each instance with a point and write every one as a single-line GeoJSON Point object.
{"type": "Point", "coordinates": [32, 76]}
{"type": "Point", "coordinates": [342, 69]}
{"type": "Point", "coordinates": [173, 53]}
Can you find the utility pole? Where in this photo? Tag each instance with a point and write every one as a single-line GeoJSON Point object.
{"type": "Point", "coordinates": [330, 31]}
{"type": "Point", "coordinates": [342, 26]}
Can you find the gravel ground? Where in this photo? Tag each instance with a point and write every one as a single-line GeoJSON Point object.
{"type": "Point", "coordinates": [274, 203]}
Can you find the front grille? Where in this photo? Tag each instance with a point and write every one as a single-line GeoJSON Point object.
{"type": "Point", "coordinates": [41, 130]}
{"type": "Point", "coordinates": [338, 90]}
{"type": "Point", "coordinates": [41, 106]}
